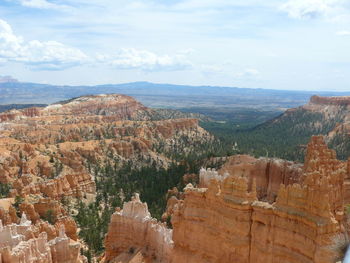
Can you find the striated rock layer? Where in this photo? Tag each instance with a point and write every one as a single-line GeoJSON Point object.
{"type": "Point", "coordinates": [226, 222]}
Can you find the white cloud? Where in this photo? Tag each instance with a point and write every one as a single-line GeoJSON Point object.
{"type": "Point", "coordinates": [53, 55]}
{"type": "Point", "coordinates": [213, 69]}
{"type": "Point", "coordinates": [130, 58]}
{"type": "Point", "coordinates": [50, 55]}
{"type": "Point", "coordinates": [227, 70]}
{"type": "Point", "coordinates": [304, 9]}
{"type": "Point", "coordinates": [218, 4]}
{"type": "Point", "coordinates": [343, 33]}
{"type": "Point", "coordinates": [248, 73]}
{"type": "Point", "coordinates": [41, 4]}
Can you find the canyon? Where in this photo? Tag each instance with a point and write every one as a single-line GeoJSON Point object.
{"type": "Point", "coordinates": [225, 219]}
{"type": "Point", "coordinates": [49, 157]}
{"type": "Point", "coordinates": [53, 160]}
{"type": "Point", "coordinates": [45, 150]}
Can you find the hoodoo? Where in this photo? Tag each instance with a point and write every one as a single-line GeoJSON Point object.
{"type": "Point", "coordinates": [227, 222]}
{"type": "Point", "coordinates": [24, 243]}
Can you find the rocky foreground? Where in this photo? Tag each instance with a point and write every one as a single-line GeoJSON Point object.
{"type": "Point", "coordinates": [234, 217]}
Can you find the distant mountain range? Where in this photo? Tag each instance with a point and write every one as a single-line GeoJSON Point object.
{"type": "Point", "coordinates": [162, 95]}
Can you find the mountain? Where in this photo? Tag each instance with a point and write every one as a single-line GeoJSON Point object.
{"type": "Point", "coordinates": [7, 79]}
{"type": "Point", "coordinates": [231, 104]}
{"type": "Point", "coordinates": [286, 136]}
{"type": "Point", "coordinates": [160, 95]}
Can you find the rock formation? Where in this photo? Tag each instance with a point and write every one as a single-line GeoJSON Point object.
{"type": "Point", "coordinates": [297, 228]}
{"type": "Point", "coordinates": [226, 221]}
{"type": "Point", "coordinates": [269, 174]}
{"type": "Point", "coordinates": [134, 230]}
{"type": "Point", "coordinates": [21, 243]}
{"type": "Point", "coordinates": [46, 150]}
{"type": "Point", "coordinates": [48, 154]}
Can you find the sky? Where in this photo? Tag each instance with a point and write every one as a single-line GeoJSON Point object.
{"type": "Point", "coordinates": [274, 44]}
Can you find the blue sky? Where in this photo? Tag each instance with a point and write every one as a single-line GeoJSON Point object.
{"type": "Point", "coordinates": [278, 44]}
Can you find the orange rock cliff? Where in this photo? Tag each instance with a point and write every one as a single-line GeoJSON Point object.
{"type": "Point", "coordinates": [226, 220]}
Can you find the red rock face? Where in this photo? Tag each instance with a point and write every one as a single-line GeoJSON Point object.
{"type": "Point", "coordinates": [226, 222]}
